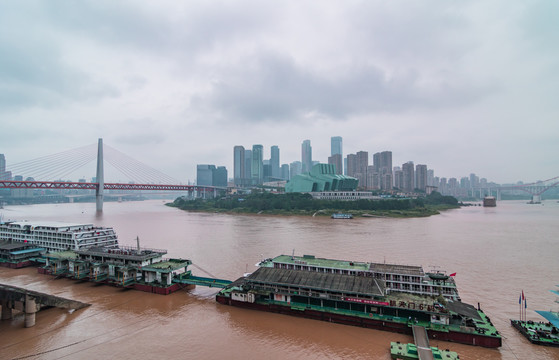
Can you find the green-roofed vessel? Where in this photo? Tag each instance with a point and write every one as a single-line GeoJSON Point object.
{"type": "Point", "coordinates": [380, 296]}
{"type": "Point", "coordinates": [539, 332]}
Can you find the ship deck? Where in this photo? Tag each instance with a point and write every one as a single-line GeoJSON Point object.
{"type": "Point", "coordinates": [539, 333]}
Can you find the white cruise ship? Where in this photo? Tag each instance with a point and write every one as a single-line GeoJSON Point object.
{"type": "Point", "coordinates": [57, 236]}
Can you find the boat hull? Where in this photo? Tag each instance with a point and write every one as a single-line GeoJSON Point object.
{"type": "Point", "coordinates": [16, 265]}
{"type": "Point", "coordinates": [385, 325]}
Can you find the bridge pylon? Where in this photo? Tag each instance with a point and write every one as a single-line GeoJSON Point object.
{"type": "Point", "coordinates": [100, 177]}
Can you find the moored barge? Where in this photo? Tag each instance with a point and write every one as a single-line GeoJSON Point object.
{"type": "Point", "coordinates": [539, 332]}
{"type": "Point", "coordinates": [350, 293]}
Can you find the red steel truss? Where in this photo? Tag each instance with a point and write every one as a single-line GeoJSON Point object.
{"type": "Point", "coordinates": [92, 186]}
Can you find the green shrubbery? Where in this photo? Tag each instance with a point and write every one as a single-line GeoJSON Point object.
{"type": "Point", "coordinates": [296, 203]}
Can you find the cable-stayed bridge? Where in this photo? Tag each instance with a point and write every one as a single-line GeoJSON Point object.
{"type": "Point", "coordinates": [43, 170]}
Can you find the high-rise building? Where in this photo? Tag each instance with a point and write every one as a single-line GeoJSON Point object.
{"type": "Point", "coordinates": [376, 162]}
{"type": "Point", "coordinates": [351, 165]}
{"type": "Point", "coordinates": [285, 172]}
{"type": "Point", "coordinates": [4, 175]}
{"type": "Point", "coordinates": [373, 178]}
{"type": "Point", "coordinates": [336, 145]}
{"type": "Point", "coordinates": [295, 168]}
{"type": "Point", "coordinates": [204, 174]}
{"type": "Point", "coordinates": [421, 177]}
{"type": "Point", "coordinates": [362, 167]}
{"type": "Point", "coordinates": [474, 181]}
{"type": "Point", "coordinates": [409, 176]}
{"type": "Point", "coordinates": [220, 176]}
{"type": "Point", "coordinates": [431, 177]}
{"type": "Point", "coordinates": [248, 167]}
{"type": "Point", "coordinates": [443, 187]}
{"type": "Point", "coordinates": [306, 156]}
{"type": "Point", "coordinates": [239, 165]}
{"type": "Point", "coordinates": [275, 162]}
{"type": "Point", "coordinates": [257, 164]}
{"type": "Point", "coordinates": [336, 160]}
{"type": "Point", "coordinates": [398, 178]}
{"type": "Point", "coordinates": [266, 171]}
{"type": "Point", "coordinates": [2, 163]}
{"type": "Point", "coordinates": [382, 163]}
{"type": "Point", "coordinates": [336, 148]}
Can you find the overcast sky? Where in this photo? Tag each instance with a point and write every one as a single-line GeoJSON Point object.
{"type": "Point", "coordinates": [464, 87]}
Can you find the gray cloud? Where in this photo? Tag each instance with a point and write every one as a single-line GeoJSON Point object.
{"type": "Point", "coordinates": [270, 86]}
{"type": "Point", "coordinates": [33, 71]}
{"type": "Point", "coordinates": [425, 79]}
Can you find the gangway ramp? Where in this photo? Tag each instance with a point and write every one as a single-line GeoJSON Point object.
{"type": "Point", "coordinates": [202, 281]}
{"type": "Point", "coordinates": [422, 343]}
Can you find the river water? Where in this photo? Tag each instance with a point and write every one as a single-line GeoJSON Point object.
{"type": "Point", "coordinates": [496, 253]}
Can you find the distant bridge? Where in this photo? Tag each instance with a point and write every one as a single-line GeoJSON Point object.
{"type": "Point", "coordinates": [11, 184]}
{"type": "Point", "coordinates": [100, 185]}
{"type": "Point", "coordinates": [536, 189]}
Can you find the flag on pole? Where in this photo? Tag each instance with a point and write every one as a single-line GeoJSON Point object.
{"type": "Point", "coordinates": [520, 306]}
{"type": "Point", "coordinates": [453, 274]}
{"type": "Point", "coordinates": [525, 305]}
{"type": "Point", "coordinates": [522, 294]}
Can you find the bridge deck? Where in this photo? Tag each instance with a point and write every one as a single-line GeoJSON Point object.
{"type": "Point", "coordinates": [14, 293]}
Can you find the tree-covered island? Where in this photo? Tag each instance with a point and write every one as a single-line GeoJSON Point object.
{"type": "Point", "coordinates": [304, 204]}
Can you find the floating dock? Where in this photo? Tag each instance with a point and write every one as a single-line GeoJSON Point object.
{"type": "Point", "coordinates": [133, 268]}
{"type": "Point", "coordinates": [421, 349]}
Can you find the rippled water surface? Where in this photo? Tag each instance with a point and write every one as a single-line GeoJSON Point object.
{"type": "Point", "coordinates": [496, 253]}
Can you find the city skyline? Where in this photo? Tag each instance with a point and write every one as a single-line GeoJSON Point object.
{"type": "Point", "coordinates": [362, 157]}
{"type": "Point", "coordinates": [462, 87]}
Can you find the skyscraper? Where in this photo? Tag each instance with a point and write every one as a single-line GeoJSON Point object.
{"type": "Point", "coordinates": [238, 165]}
{"type": "Point", "coordinates": [421, 177]}
{"type": "Point", "coordinates": [248, 167]}
{"type": "Point", "coordinates": [362, 167]}
{"type": "Point", "coordinates": [285, 172]}
{"type": "Point", "coordinates": [431, 178]}
{"type": "Point", "coordinates": [306, 156]}
{"type": "Point", "coordinates": [385, 170]}
{"type": "Point", "coordinates": [295, 168]}
{"type": "Point", "coordinates": [336, 160]}
{"type": "Point", "coordinates": [2, 163]}
{"type": "Point", "coordinates": [409, 176]}
{"type": "Point", "coordinates": [398, 178]}
{"type": "Point", "coordinates": [204, 174]}
{"type": "Point", "coordinates": [275, 162]}
{"type": "Point", "coordinates": [351, 165]}
{"type": "Point", "coordinates": [336, 148]}
{"type": "Point", "coordinates": [336, 145]}
{"type": "Point", "coordinates": [220, 176]}
{"type": "Point", "coordinates": [257, 164]}
{"type": "Point", "coordinates": [4, 175]}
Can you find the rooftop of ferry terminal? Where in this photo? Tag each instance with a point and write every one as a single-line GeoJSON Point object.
{"type": "Point", "coordinates": [48, 224]}
{"type": "Point", "coordinates": [311, 260]}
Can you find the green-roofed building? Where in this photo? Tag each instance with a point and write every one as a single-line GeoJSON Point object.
{"type": "Point", "coordinates": [322, 177]}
